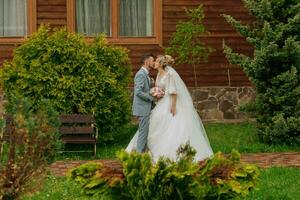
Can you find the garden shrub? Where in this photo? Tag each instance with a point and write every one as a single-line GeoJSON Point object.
{"type": "Point", "coordinates": [74, 76]}
{"type": "Point", "coordinates": [33, 142]}
{"type": "Point", "coordinates": [217, 178]}
{"type": "Point", "coordinates": [274, 68]}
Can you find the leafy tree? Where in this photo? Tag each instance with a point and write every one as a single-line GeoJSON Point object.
{"type": "Point", "coordinates": [274, 68]}
{"type": "Point", "coordinates": [74, 76]}
{"type": "Point", "coordinates": [186, 42]}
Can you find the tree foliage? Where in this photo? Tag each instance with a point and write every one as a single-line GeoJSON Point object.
{"type": "Point", "coordinates": [74, 76]}
{"type": "Point", "coordinates": [274, 68]}
{"type": "Point", "coordinates": [186, 43]}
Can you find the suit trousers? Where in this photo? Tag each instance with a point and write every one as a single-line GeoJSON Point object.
{"type": "Point", "coordinates": [143, 133]}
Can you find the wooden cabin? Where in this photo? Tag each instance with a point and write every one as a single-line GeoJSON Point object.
{"type": "Point", "coordinates": [145, 26]}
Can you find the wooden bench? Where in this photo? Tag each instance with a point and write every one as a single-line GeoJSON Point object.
{"type": "Point", "coordinates": [79, 129]}
{"type": "Point", "coordinates": [74, 129]}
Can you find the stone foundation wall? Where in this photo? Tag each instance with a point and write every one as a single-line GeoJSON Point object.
{"type": "Point", "coordinates": [214, 103]}
{"type": "Point", "coordinates": [221, 103]}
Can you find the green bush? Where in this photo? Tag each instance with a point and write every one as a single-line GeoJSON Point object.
{"type": "Point", "coordinates": [74, 76]}
{"type": "Point", "coordinates": [217, 178]}
{"type": "Point", "coordinates": [274, 68]}
{"type": "Point", "coordinates": [33, 142]}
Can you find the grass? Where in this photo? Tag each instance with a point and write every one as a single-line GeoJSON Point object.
{"type": "Point", "coordinates": [54, 188]}
{"type": "Point", "coordinates": [243, 137]}
{"type": "Point", "coordinates": [277, 184]}
{"type": "Point", "coordinates": [274, 184]}
{"type": "Point", "coordinates": [223, 137]}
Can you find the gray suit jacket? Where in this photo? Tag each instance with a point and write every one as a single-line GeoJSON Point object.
{"type": "Point", "coordinates": [142, 99]}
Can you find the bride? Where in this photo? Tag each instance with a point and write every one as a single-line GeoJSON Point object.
{"type": "Point", "coordinates": [174, 120]}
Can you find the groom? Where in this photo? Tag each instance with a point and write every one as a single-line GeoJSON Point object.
{"type": "Point", "coordinates": [142, 100]}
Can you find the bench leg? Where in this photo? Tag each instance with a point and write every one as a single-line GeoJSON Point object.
{"type": "Point", "coordinates": [95, 149]}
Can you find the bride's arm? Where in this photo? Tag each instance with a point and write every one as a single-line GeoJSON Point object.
{"type": "Point", "coordinates": [172, 90]}
{"type": "Point", "coordinates": [173, 104]}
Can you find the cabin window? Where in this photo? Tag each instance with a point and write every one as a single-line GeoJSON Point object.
{"type": "Point", "coordinates": [136, 18]}
{"type": "Point", "coordinates": [93, 16]}
{"type": "Point", "coordinates": [123, 21]}
{"type": "Point", "coordinates": [13, 18]}
{"type": "Point", "coordinates": [17, 20]}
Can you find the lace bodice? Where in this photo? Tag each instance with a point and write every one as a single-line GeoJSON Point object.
{"type": "Point", "coordinates": [167, 83]}
{"type": "Point", "coordinates": [161, 82]}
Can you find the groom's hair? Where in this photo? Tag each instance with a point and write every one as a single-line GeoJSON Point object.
{"type": "Point", "coordinates": [146, 56]}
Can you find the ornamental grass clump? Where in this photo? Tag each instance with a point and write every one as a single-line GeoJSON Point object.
{"type": "Point", "coordinates": [33, 141]}
{"type": "Point", "coordinates": [220, 177]}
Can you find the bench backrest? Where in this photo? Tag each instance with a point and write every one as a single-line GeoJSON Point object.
{"type": "Point", "coordinates": [70, 124]}
{"type": "Point", "coordinates": [77, 119]}
{"type": "Point", "coordinates": [78, 129]}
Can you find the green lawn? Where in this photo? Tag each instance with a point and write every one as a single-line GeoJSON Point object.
{"type": "Point", "coordinates": [274, 184]}
{"type": "Point", "coordinates": [54, 188]}
{"type": "Point", "coordinates": [277, 183]}
{"type": "Point", "coordinates": [243, 137]}
{"type": "Point", "coordinates": [223, 137]}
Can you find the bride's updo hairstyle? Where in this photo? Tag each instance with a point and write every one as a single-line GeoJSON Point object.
{"type": "Point", "coordinates": [170, 60]}
{"type": "Point", "coordinates": [165, 60]}
{"type": "Point", "coordinates": [162, 60]}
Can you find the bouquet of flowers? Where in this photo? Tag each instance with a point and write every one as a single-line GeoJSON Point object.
{"type": "Point", "coordinates": [157, 92]}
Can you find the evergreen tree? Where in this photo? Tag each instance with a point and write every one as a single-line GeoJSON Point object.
{"type": "Point", "coordinates": [274, 68]}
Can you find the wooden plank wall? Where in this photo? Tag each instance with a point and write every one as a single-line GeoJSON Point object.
{"type": "Point", "coordinates": [217, 72]}
{"type": "Point", "coordinates": [52, 12]}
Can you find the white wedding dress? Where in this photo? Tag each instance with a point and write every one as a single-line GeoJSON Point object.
{"type": "Point", "coordinates": [167, 132]}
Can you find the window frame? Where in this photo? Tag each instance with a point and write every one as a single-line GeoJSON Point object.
{"type": "Point", "coordinates": [31, 25]}
{"type": "Point", "coordinates": [115, 37]}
